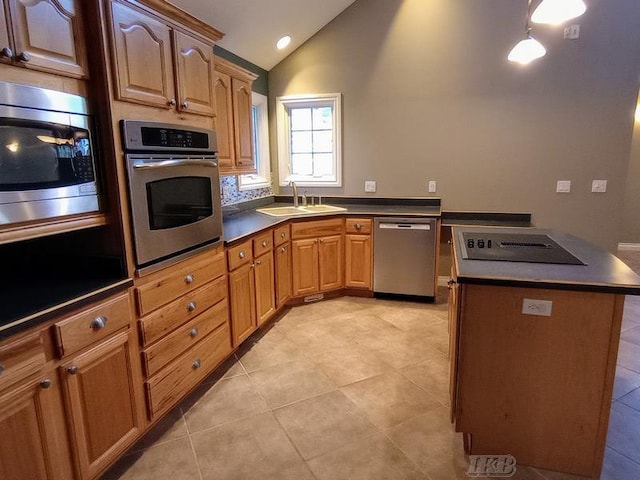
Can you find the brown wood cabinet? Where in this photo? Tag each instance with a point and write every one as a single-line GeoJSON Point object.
{"type": "Point", "coordinates": [160, 65]}
{"type": "Point", "coordinates": [282, 256]}
{"type": "Point", "coordinates": [58, 48]}
{"type": "Point", "coordinates": [242, 300]}
{"type": "Point", "coordinates": [184, 324]}
{"type": "Point", "coordinates": [232, 89]}
{"type": "Point", "coordinates": [537, 387]}
{"type": "Point", "coordinates": [103, 405]}
{"type": "Point", "coordinates": [358, 253]}
{"type": "Point", "coordinates": [32, 421]}
{"type": "Point", "coordinates": [317, 256]}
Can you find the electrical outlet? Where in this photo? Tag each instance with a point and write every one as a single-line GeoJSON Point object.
{"type": "Point", "coordinates": [431, 186]}
{"type": "Point", "coordinates": [370, 186]}
{"type": "Point", "coordinates": [563, 186]}
{"type": "Point", "coordinates": [599, 186]}
{"type": "Point", "coordinates": [541, 308]}
{"type": "Point", "coordinates": [572, 32]}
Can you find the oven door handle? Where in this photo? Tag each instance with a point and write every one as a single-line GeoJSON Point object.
{"type": "Point", "coordinates": [141, 164]}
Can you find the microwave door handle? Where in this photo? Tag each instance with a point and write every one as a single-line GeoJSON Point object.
{"type": "Point", "coordinates": [141, 164]}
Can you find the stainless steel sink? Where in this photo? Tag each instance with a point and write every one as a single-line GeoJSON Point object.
{"type": "Point", "coordinates": [288, 211]}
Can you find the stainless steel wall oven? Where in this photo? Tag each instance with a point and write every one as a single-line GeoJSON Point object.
{"type": "Point", "coordinates": [174, 190]}
{"type": "Point", "coordinates": [47, 155]}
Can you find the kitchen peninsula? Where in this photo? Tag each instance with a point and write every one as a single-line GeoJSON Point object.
{"type": "Point", "coordinates": [533, 346]}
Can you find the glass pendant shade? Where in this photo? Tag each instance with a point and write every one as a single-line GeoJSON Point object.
{"type": "Point", "coordinates": [526, 51]}
{"type": "Point", "coordinates": [555, 12]}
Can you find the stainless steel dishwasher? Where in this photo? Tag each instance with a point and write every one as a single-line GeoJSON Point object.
{"type": "Point", "coordinates": [404, 257]}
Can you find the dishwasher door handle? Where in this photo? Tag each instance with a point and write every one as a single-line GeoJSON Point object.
{"type": "Point", "coordinates": [405, 226]}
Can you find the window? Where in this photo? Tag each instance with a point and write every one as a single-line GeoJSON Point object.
{"type": "Point", "coordinates": [260, 122]}
{"type": "Point", "coordinates": [309, 140]}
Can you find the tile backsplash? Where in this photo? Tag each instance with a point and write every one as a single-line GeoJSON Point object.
{"type": "Point", "coordinates": [231, 193]}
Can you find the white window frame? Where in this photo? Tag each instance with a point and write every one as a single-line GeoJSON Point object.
{"type": "Point", "coordinates": [284, 138]}
{"type": "Point", "coordinates": [262, 178]}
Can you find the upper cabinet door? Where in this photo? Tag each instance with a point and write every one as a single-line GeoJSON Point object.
{"type": "Point", "coordinates": [142, 50]}
{"type": "Point", "coordinates": [6, 49]}
{"type": "Point", "coordinates": [224, 119]}
{"type": "Point", "coordinates": [194, 74]}
{"type": "Point", "coordinates": [242, 105]}
{"type": "Point", "coordinates": [48, 36]}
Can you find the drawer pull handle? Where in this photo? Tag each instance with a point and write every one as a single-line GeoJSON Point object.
{"type": "Point", "coordinates": [23, 57]}
{"type": "Point", "coordinates": [184, 104]}
{"type": "Point", "coordinates": [72, 370]}
{"type": "Point", "coordinates": [265, 243]}
{"type": "Point", "coordinates": [358, 226]}
{"type": "Point", "coordinates": [99, 322]}
{"type": "Point", "coordinates": [197, 364]}
{"type": "Point", "coordinates": [193, 333]}
{"type": "Point", "coordinates": [282, 234]}
{"type": "Point", "coordinates": [242, 254]}
{"type": "Point", "coordinates": [192, 306]}
{"type": "Point", "coordinates": [6, 52]}
{"type": "Point", "coordinates": [172, 102]}
{"type": "Point", "coordinates": [46, 383]}
{"type": "Point", "coordinates": [283, 249]}
{"type": "Point", "coordinates": [258, 262]}
{"type": "Point", "coordinates": [189, 278]}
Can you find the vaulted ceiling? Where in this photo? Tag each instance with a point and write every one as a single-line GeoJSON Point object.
{"type": "Point", "coordinates": [252, 27]}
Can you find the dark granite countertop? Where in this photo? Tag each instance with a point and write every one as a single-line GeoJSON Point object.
{"type": "Point", "coordinates": [245, 223]}
{"type": "Point", "coordinates": [493, 219]}
{"type": "Point", "coordinates": [602, 272]}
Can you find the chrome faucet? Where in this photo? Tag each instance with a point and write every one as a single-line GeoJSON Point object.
{"type": "Point", "coordinates": [293, 185]}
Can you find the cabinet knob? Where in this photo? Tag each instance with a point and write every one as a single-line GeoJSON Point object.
{"type": "Point", "coordinates": [184, 104]}
{"type": "Point", "coordinates": [282, 234]}
{"type": "Point", "coordinates": [46, 383]}
{"type": "Point", "coordinates": [72, 370]}
{"type": "Point", "coordinates": [191, 306]}
{"type": "Point", "coordinates": [358, 226]}
{"type": "Point", "coordinates": [189, 278]}
{"type": "Point", "coordinates": [197, 364]}
{"type": "Point", "coordinates": [242, 254]}
{"type": "Point", "coordinates": [451, 283]}
{"type": "Point", "coordinates": [99, 322]}
{"type": "Point", "coordinates": [283, 249]}
{"type": "Point", "coordinates": [321, 240]}
{"type": "Point", "coordinates": [193, 333]}
{"type": "Point", "coordinates": [6, 52]}
{"type": "Point", "coordinates": [172, 102]}
{"type": "Point", "coordinates": [265, 243]}
{"type": "Point", "coordinates": [23, 57]}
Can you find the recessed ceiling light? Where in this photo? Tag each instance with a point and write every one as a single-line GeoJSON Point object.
{"type": "Point", "coordinates": [283, 42]}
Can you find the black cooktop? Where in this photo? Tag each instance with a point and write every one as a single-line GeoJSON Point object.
{"type": "Point", "coordinates": [515, 247]}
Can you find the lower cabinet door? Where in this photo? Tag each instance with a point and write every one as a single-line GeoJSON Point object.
{"type": "Point", "coordinates": [33, 432]}
{"type": "Point", "coordinates": [104, 402]}
{"type": "Point", "coordinates": [242, 299]}
{"type": "Point", "coordinates": [358, 261]}
{"type": "Point", "coordinates": [304, 257]}
{"type": "Point", "coordinates": [265, 287]}
{"type": "Point", "coordinates": [283, 273]}
{"type": "Point", "coordinates": [331, 261]}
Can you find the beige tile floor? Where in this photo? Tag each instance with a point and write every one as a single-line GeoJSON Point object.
{"type": "Point", "coordinates": [349, 388]}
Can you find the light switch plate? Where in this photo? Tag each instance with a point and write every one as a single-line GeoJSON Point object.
{"type": "Point", "coordinates": [431, 186]}
{"type": "Point", "coordinates": [563, 186]}
{"type": "Point", "coordinates": [541, 308]}
{"type": "Point", "coordinates": [370, 186]}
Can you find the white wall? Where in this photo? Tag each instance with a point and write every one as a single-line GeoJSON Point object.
{"type": "Point", "coordinates": [429, 95]}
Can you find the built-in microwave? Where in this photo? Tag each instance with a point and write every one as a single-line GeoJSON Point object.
{"type": "Point", "coordinates": [47, 155]}
{"type": "Point", "coordinates": [174, 190]}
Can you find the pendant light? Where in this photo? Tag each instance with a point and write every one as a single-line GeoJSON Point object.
{"type": "Point", "coordinates": [529, 49]}
{"type": "Point", "coordinates": [555, 12]}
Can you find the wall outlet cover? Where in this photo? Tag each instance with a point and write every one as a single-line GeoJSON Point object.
{"type": "Point", "coordinates": [541, 308]}
{"type": "Point", "coordinates": [431, 186]}
{"type": "Point", "coordinates": [599, 186]}
{"type": "Point", "coordinates": [370, 186]}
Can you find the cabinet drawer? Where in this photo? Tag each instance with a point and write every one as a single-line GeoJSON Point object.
{"type": "Point", "coordinates": [162, 321]}
{"type": "Point", "coordinates": [169, 385]}
{"type": "Point", "coordinates": [317, 228]}
{"type": "Point", "coordinates": [281, 235]}
{"type": "Point", "coordinates": [176, 281]}
{"type": "Point", "coordinates": [21, 358]}
{"type": "Point", "coordinates": [92, 325]}
{"type": "Point", "coordinates": [358, 225]}
{"type": "Point", "coordinates": [162, 352]}
{"type": "Point", "coordinates": [262, 243]}
{"type": "Point", "coordinates": [239, 255]}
